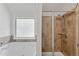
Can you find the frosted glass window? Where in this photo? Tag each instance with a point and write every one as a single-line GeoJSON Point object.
{"type": "Point", "coordinates": [25, 28]}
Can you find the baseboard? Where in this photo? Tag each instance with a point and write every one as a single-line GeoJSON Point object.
{"type": "Point", "coordinates": [47, 53]}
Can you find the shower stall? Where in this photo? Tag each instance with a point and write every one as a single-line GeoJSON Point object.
{"type": "Point", "coordinates": [64, 41]}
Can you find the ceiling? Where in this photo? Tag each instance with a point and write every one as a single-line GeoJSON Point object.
{"type": "Point", "coordinates": [23, 8]}
{"type": "Point", "coordinates": [58, 6]}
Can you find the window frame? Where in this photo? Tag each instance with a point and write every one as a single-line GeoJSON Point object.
{"type": "Point", "coordinates": [25, 38]}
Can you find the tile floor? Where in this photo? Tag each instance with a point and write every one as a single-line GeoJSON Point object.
{"type": "Point", "coordinates": [52, 54]}
{"type": "Point", "coordinates": [58, 54]}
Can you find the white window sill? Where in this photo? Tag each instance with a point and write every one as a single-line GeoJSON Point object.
{"type": "Point", "coordinates": [24, 38]}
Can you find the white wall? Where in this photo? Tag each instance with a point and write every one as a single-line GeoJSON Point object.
{"type": "Point", "coordinates": [4, 24]}
{"type": "Point", "coordinates": [4, 21]}
{"type": "Point", "coordinates": [28, 11]}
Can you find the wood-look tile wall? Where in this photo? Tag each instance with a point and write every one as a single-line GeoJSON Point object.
{"type": "Point", "coordinates": [47, 33]}
{"type": "Point", "coordinates": [65, 34]}
{"type": "Point", "coordinates": [68, 43]}
{"type": "Point", "coordinates": [58, 33]}
{"type": "Point", "coordinates": [77, 30]}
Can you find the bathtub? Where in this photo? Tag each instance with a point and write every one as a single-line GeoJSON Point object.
{"type": "Point", "coordinates": [18, 49]}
